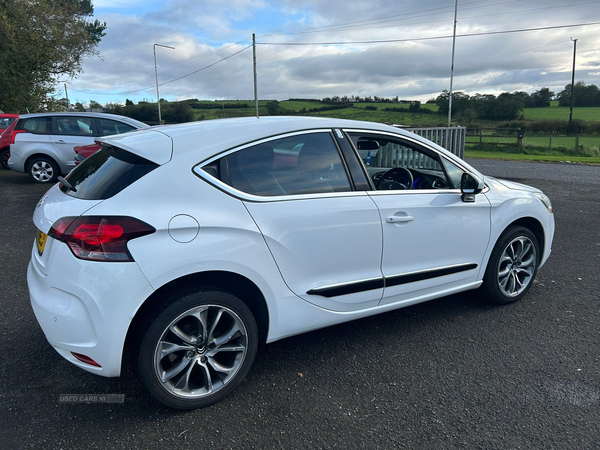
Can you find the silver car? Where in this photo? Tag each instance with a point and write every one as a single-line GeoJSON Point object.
{"type": "Point", "coordinates": [42, 144]}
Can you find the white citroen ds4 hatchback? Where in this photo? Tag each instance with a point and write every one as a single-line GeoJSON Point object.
{"type": "Point", "coordinates": [191, 243]}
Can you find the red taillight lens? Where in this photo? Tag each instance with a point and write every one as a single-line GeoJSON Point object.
{"type": "Point", "coordinates": [98, 238]}
{"type": "Point", "coordinates": [14, 133]}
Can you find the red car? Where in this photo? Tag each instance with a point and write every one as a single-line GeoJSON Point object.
{"type": "Point", "coordinates": [84, 151]}
{"type": "Point", "coordinates": [7, 124]}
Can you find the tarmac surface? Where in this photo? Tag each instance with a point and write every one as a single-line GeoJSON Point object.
{"type": "Point", "coordinates": [456, 372]}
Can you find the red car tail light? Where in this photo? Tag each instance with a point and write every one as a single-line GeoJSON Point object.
{"type": "Point", "coordinates": [14, 133]}
{"type": "Point", "coordinates": [99, 238]}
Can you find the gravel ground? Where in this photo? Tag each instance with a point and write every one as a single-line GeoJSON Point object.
{"type": "Point", "coordinates": [451, 373]}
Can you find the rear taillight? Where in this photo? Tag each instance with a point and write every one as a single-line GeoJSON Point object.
{"type": "Point", "coordinates": [98, 238]}
{"type": "Point", "coordinates": [14, 133]}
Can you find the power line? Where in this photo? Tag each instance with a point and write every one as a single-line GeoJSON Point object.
{"type": "Point", "coordinates": [388, 25]}
{"type": "Point", "coordinates": [385, 41]}
{"type": "Point", "coordinates": [388, 18]}
{"type": "Point", "coordinates": [164, 82]}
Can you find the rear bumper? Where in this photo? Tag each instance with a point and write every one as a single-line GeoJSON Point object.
{"type": "Point", "coordinates": [86, 307]}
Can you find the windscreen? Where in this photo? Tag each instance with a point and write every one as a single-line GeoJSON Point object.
{"type": "Point", "coordinates": [106, 173]}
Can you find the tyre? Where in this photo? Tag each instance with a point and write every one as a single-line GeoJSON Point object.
{"type": "Point", "coordinates": [512, 266]}
{"type": "Point", "coordinates": [4, 156]}
{"type": "Point", "coordinates": [197, 349]}
{"type": "Point", "coordinates": [43, 170]}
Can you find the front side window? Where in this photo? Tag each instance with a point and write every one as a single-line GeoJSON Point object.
{"type": "Point", "coordinates": [397, 165]}
{"type": "Point", "coordinates": [74, 126]}
{"type": "Point", "coordinates": [295, 165]}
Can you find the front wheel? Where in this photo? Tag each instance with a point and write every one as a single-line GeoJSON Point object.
{"type": "Point", "coordinates": [512, 266]}
{"type": "Point", "coordinates": [43, 170]}
{"type": "Point", "coordinates": [197, 349]}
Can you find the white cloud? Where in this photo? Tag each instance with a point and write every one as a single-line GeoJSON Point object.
{"type": "Point", "coordinates": [420, 70]}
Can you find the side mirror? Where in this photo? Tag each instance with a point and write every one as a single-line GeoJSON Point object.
{"type": "Point", "coordinates": [470, 186]}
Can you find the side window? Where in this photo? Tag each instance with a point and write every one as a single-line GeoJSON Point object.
{"type": "Point", "coordinates": [454, 173]}
{"type": "Point", "coordinates": [108, 127]}
{"type": "Point", "coordinates": [74, 126]}
{"type": "Point", "coordinates": [396, 165]}
{"type": "Point", "coordinates": [37, 125]}
{"type": "Point", "coordinates": [302, 164]}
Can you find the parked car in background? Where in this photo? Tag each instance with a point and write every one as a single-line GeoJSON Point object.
{"type": "Point", "coordinates": [6, 120]}
{"type": "Point", "coordinates": [83, 151]}
{"type": "Point", "coordinates": [42, 144]}
{"type": "Point", "coordinates": [191, 243]}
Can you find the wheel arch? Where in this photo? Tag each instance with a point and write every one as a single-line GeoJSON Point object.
{"type": "Point", "coordinates": [235, 284]}
{"type": "Point", "coordinates": [40, 155]}
{"type": "Point", "coordinates": [535, 226]}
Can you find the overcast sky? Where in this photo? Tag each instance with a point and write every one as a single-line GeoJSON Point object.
{"type": "Point", "coordinates": [206, 31]}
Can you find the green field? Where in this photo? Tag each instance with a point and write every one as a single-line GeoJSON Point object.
{"type": "Point", "coordinates": [520, 157]}
{"type": "Point", "coordinates": [541, 140]}
{"type": "Point", "coordinates": [562, 113]}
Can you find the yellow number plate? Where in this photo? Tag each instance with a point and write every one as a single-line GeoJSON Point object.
{"type": "Point", "coordinates": [40, 241]}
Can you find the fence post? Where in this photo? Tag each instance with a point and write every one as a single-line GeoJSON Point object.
{"type": "Point", "coordinates": [576, 143]}
{"type": "Point", "coordinates": [550, 143]}
{"type": "Point", "coordinates": [480, 135]}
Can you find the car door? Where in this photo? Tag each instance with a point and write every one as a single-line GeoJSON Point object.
{"type": "Point", "coordinates": [324, 236]}
{"type": "Point", "coordinates": [70, 132]}
{"type": "Point", "coordinates": [432, 240]}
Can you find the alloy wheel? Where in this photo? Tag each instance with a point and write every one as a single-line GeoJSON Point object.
{"type": "Point", "coordinates": [42, 171]}
{"type": "Point", "coordinates": [200, 351]}
{"type": "Point", "coordinates": [516, 267]}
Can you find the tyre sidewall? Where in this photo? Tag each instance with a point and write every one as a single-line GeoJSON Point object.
{"type": "Point", "coordinates": [161, 319]}
{"type": "Point", "coordinates": [490, 280]}
{"type": "Point", "coordinates": [55, 170]}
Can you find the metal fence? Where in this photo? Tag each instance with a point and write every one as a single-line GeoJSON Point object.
{"type": "Point", "coordinates": [452, 138]}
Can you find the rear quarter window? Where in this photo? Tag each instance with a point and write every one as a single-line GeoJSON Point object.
{"type": "Point", "coordinates": [106, 173]}
{"type": "Point", "coordinates": [36, 125]}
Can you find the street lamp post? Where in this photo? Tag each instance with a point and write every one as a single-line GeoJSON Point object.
{"type": "Point", "coordinates": [156, 75]}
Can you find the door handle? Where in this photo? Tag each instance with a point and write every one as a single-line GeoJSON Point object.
{"type": "Point", "coordinates": [60, 141]}
{"type": "Point", "coordinates": [399, 219]}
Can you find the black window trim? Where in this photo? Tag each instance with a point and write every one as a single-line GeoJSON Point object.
{"type": "Point", "coordinates": [197, 170]}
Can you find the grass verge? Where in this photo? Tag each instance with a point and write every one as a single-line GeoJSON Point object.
{"type": "Point", "coordinates": [522, 157]}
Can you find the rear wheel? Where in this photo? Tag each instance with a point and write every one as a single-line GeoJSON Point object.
{"type": "Point", "coordinates": [197, 349]}
{"type": "Point", "coordinates": [512, 267]}
{"type": "Point", "coordinates": [4, 157]}
{"type": "Point", "coordinates": [43, 170]}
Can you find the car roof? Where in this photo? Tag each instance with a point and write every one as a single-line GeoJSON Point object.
{"type": "Point", "coordinates": [204, 139]}
{"type": "Point", "coordinates": [96, 115]}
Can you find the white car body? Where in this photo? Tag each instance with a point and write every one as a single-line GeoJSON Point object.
{"type": "Point", "coordinates": [285, 246]}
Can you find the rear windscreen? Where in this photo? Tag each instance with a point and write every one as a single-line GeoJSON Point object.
{"type": "Point", "coordinates": [106, 173]}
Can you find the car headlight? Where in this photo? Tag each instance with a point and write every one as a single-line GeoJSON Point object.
{"type": "Point", "coordinates": [545, 200]}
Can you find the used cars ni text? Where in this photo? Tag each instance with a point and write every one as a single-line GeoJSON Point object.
{"type": "Point", "coordinates": [189, 244]}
